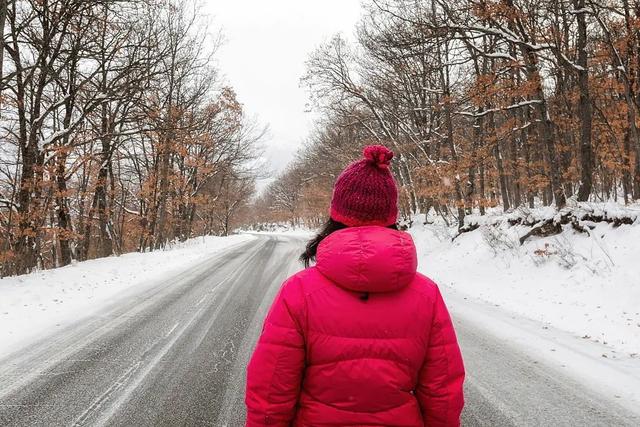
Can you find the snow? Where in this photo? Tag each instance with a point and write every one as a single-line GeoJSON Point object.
{"type": "Point", "coordinates": [493, 110]}
{"type": "Point", "coordinates": [281, 228]}
{"type": "Point", "coordinates": [580, 11]}
{"type": "Point", "coordinates": [581, 212]}
{"type": "Point", "coordinates": [500, 55]}
{"type": "Point", "coordinates": [591, 364]}
{"type": "Point", "coordinates": [37, 304]}
{"type": "Point", "coordinates": [585, 284]}
{"type": "Point", "coordinates": [586, 287]}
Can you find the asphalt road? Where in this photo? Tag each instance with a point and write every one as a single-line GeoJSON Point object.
{"type": "Point", "coordinates": [176, 355]}
{"type": "Point", "coordinates": [507, 387]}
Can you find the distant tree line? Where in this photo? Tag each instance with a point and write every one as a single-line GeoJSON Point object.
{"type": "Point", "coordinates": [485, 102]}
{"type": "Point", "coordinates": [117, 133]}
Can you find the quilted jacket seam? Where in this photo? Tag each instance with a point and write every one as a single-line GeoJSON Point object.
{"type": "Point", "coordinates": [438, 325]}
{"type": "Point", "coordinates": [315, 331]}
{"type": "Point", "coordinates": [276, 365]}
{"type": "Point", "coordinates": [353, 410]}
{"type": "Point", "coordinates": [351, 359]}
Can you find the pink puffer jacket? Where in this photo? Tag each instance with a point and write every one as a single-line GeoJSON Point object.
{"type": "Point", "coordinates": [360, 339]}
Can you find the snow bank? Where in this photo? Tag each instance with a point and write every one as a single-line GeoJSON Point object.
{"type": "Point", "coordinates": [280, 228]}
{"type": "Point", "coordinates": [586, 283]}
{"type": "Point", "coordinates": [36, 304]}
{"type": "Point", "coordinates": [579, 211]}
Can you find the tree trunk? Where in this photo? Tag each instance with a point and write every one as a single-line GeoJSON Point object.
{"type": "Point", "coordinates": [627, 185]}
{"type": "Point", "coordinates": [482, 187]}
{"type": "Point", "coordinates": [4, 4]}
{"type": "Point", "coordinates": [26, 241]}
{"type": "Point", "coordinates": [584, 108]}
{"type": "Point", "coordinates": [504, 194]}
{"type": "Point", "coordinates": [527, 159]}
{"type": "Point", "coordinates": [63, 218]}
{"type": "Point", "coordinates": [163, 193]}
{"type": "Point", "coordinates": [471, 178]}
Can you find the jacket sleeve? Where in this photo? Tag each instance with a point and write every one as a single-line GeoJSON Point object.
{"type": "Point", "coordinates": [274, 374]}
{"type": "Point", "coordinates": [440, 381]}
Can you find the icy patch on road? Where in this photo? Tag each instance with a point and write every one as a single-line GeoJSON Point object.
{"type": "Point", "coordinates": [36, 304]}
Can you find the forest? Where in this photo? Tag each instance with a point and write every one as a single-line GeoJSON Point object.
{"type": "Point", "coordinates": [117, 131]}
{"type": "Point", "coordinates": [505, 104]}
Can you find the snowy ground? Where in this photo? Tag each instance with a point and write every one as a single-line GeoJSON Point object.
{"type": "Point", "coordinates": [573, 298]}
{"type": "Point", "coordinates": [34, 305]}
{"type": "Point", "coordinates": [281, 228]}
{"type": "Point", "coordinates": [585, 284]}
{"type": "Point", "coordinates": [615, 378]}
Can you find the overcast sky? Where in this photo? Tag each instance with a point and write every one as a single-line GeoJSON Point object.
{"type": "Point", "coordinates": [266, 45]}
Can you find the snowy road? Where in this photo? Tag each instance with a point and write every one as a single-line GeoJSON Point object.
{"type": "Point", "coordinates": [175, 355]}
{"type": "Point", "coordinates": [508, 387]}
{"type": "Point", "coordinates": [171, 356]}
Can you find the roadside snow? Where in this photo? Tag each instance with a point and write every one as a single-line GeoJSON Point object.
{"type": "Point", "coordinates": [572, 299]}
{"type": "Point", "coordinates": [297, 232]}
{"type": "Point", "coordinates": [36, 304]}
{"type": "Point", "coordinates": [588, 285]}
{"type": "Point", "coordinates": [281, 228]}
{"type": "Point", "coordinates": [615, 378]}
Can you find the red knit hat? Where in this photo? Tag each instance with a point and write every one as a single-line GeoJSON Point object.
{"type": "Point", "coordinates": [365, 192]}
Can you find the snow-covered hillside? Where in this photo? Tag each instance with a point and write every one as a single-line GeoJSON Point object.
{"type": "Point", "coordinates": [34, 304]}
{"type": "Point", "coordinates": [583, 282]}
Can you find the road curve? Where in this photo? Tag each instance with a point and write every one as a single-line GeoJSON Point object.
{"type": "Point", "coordinates": [176, 355]}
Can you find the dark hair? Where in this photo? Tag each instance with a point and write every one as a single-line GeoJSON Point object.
{"type": "Point", "coordinates": [329, 227]}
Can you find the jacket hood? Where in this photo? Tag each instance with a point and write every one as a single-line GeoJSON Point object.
{"type": "Point", "coordinates": [368, 259]}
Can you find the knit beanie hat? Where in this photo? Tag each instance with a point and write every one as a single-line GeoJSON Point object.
{"type": "Point", "coordinates": [365, 192]}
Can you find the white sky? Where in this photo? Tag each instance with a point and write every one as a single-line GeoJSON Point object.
{"type": "Point", "coordinates": [266, 45]}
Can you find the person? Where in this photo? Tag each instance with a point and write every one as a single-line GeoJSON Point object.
{"type": "Point", "coordinates": [360, 338]}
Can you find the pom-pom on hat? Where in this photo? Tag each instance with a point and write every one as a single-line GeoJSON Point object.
{"type": "Point", "coordinates": [365, 192]}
